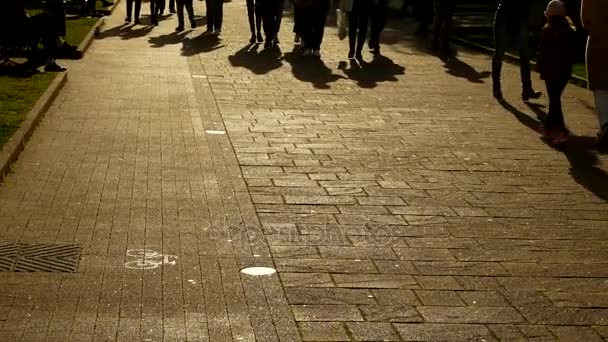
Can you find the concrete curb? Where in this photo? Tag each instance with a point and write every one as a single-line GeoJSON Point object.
{"type": "Point", "coordinates": [13, 147]}
{"type": "Point", "coordinates": [579, 81]}
{"type": "Point", "coordinates": [88, 40]}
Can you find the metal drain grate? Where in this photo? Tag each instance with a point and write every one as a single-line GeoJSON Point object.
{"type": "Point", "coordinates": [38, 257]}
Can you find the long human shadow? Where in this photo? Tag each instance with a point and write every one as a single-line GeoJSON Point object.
{"type": "Point", "coordinates": [458, 68]}
{"type": "Point", "coordinates": [311, 70]}
{"type": "Point", "coordinates": [125, 32]}
{"type": "Point", "coordinates": [584, 162]}
{"type": "Point", "coordinates": [258, 62]}
{"type": "Point", "coordinates": [167, 39]}
{"type": "Point", "coordinates": [525, 119]}
{"type": "Point", "coordinates": [368, 75]}
{"type": "Point", "coordinates": [203, 43]}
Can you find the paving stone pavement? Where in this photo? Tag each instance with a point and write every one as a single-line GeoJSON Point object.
{"type": "Point", "coordinates": [396, 199]}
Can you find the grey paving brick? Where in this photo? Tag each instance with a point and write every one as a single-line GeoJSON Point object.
{"type": "Point", "coordinates": [321, 313]}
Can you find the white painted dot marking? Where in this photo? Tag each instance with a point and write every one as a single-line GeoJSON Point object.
{"type": "Point", "coordinates": [199, 76]}
{"type": "Point", "coordinates": [259, 271]}
{"type": "Point", "coordinates": [215, 132]}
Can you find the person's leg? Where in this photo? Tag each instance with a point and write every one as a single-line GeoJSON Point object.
{"type": "Point", "coordinates": [251, 17]}
{"type": "Point", "coordinates": [190, 8]}
{"type": "Point", "coordinates": [524, 60]}
{"type": "Point", "coordinates": [161, 7]}
{"type": "Point", "coordinates": [279, 16]}
{"type": "Point", "coordinates": [209, 14]}
{"type": "Point", "coordinates": [153, 10]}
{"type": "Point", "coordinates": [500, 36]}
{"type": "Point", "coordinates": [437, 24]}
{"type": "Point", "coordinates": [129, 10]}
{"type": "Point", "coordinates": [555, 117]}
{"type": "Point", "coordinates": [137, 11]}
{"type": "Point", "coordinates": [363, 23]}
{"type": "Point", "coordinates": [353, 26]}
{"type": "Point", "coordinates": [320, 22]}
{"type": "Point", "coordinates": [446, 27]}
{"type": "Point", "coordinates": [180, 14]}
{"type": "Point", "coordinates": [219, 13]}
{"type": "Point", "coordinates": [268, 21]}
{"type": "Point", "coordinates": [601, 106]}
{"type": "Point", "coordinates": [171, 6]}
{"type": "Point", "coordinates": [258, 21]}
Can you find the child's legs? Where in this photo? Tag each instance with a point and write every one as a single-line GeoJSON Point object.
{"type": "Point", "coordinates": [601, 105]}
{"type": "Point", "coordinates": [555, 89]}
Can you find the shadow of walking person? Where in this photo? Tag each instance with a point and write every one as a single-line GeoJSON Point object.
{"type": "Point", "coordinates": [311, 70]}
{"type": "Point", "coordinates": [459, 68]}
{"type": "Point", "coordinates": [368, 75]}
{"type": "Point", "coordinates": [525, 119]}
{"type": "Point", "coordinates": [259, 63]}
{"type": "Point", "coordinates": [125, 32]}
{"type": "Point", "coordinates": [167, 39]}
{"type": "Point", "coordinates": [583, 161]}
{"type": "Point", "coordinates": [201, 44]}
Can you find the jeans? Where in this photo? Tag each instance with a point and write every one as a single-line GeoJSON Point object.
{"type": "Point", "coordinates": [501, 24]}
{"type": "Point", "coordinates": [130, 8]}
{"type": "Point", "coordinates": [601, 105]}
{"type": "Point", "coordinates": [358, 19]}
{"type": "Point", "coordinates": [555, 89]}
{"type": "Point", "coordinates": [313, 23]}
{"type": "Point", "coordinates": [379, 14]}
{"type": "Point", "coordinates": [255, 16]}
{"type": "Point", "coordinates": [215, 14]}
{"type": "Point", "coordinates": [180, 11]}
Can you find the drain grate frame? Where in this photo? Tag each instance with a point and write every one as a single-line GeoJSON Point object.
{"type": "Point", "coordinates": [40, 257]}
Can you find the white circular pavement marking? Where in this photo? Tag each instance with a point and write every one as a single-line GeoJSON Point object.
{"type": "Point", "coordinates": [259, 271]}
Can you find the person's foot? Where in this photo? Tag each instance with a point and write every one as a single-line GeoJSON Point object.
{"type": "Point", "coordinates": [276, 41]}
{"type": "Point", "coordinates": [547, 133]}
{"type": "Point", "coordinates": [316, 53]}
{"type": "Point", "coordinates": [359, 55]}
{"type": "Point", "coordinates": [351, 54]}
{"type": "Point", "coordinates": [560, 138]}
{"type": "Point", "coordinates": [268, 44]}
{"type": "Point", "coordinates": [253, 39]}
{"type": "Point", "coordinates": [171, 10]}
{"type": "Point", "coordinates": [193, 24]}
{"type": "Point", "coordinates": [602, 138]}
{"type": "Point", "coordinates": [54, 67]}
{"type": "Point", "coordinates": [136, 22]}
{"type": "Point", "coordinates": [530, 94]}
{"type": "Point", "coordinates": [375, 51]}
{"type": "Point", "coordinates": [260, 37]}
{"type": "Point", "coordinates": [179, 29]}
{"type": "Point", "coordinates": [154, 22]}
{"type": "Point", "coordinates": [127, 19]}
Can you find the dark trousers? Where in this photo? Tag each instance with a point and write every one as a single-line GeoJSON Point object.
{"type": "Point", "coordinates": [41, 27]}
{"type": "Point", "coordinates": [172, 5]}
{"type": "Point", "coordinates": [358, 20]}
{"type": "Point", "coordinates": [555, 89]}
{"type": "Point", "coordinates": [130, 4]}
{"type": "Point", "coordinates": [423, 12]}
{"type": "Point", "coordinates": [313, 23]}
{"type": "Point", "coordinates": [297, 19]}
{"type": "Point", "coordinates": [272, 14]}
{"type": "Point", "coordinates": [279, 13]}
{"type": "Point", "coordinates": [156, 9]}
{"type": "Point", "coordinates": [255, 16]}
{"type": "Point", "coordinates": [180, 11]}
{"type": "Point", "coordinates": [501, 24]}
{"type": "Point", "coordinates": [444, 12]}
{"type": "Point", "coordinates": [379, 14]}
{"type": "Point", "coordinates": [215, 14]}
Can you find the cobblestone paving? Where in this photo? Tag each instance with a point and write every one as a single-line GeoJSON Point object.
{"type": "Point", "coordinates": [396, 199]}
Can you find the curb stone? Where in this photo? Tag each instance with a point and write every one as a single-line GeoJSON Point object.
{"type": "Point", "coordinates": [86, 42]}
{"type": "Point", "coordinates": [13, 147]}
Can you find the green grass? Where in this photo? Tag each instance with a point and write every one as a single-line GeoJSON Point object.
{"type": "Point", "coordinates": [19, 93]}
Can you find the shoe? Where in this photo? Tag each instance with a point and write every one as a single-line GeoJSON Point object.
{"type": "Point", "coordinates": [217, 32]}
{"type": "Point", "coordinates": [179, 29]}
{"type": "Point", "coordinates": [154, 22]}
{"type": "Point", "coordinates": [54, 67]}
{"type": "Point", "coordinates": [208, 32]}
{"type": "Point", "coordinates": [171, 10]}
{"type": "Point", "coordinates": [530, 94]}
{"type": "Point", "coordinates": [602, 138]}
{"type": "Point", "coordinates": [136, 22]}
{"type": "Point", "coordinates": [496, 90]}
{"type": "Point", "coordinates": [351, 54]}
{"type": "Point", "coordinates": [547, 133]}
{"type": "Point", "coordinates": [193, 24]}
{"type": "Point", "coordinates": [375, 51]}
{"type": "Point", "coordinates": [127, 20]}
{"type": "Point", "coordinates": [252, 40]}
{"type": "Point", "coordinates": [560, 138]}
{"type": "Point", "coordinates": [260, 37]}
{"type": "Point", "coordinates": [276, 41]}
{"type": "Point", "coordinates": [316, 53]}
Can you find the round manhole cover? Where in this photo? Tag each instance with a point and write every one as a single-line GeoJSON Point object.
{"type": "Point", "coordinates": [259, 271]}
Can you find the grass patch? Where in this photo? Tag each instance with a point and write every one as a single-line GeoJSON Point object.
{"type": "Point", "coordinates": [19, 93]}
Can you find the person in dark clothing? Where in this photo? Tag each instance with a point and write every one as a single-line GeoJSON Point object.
{"type": "Point", "coordinates": [314, 17]}
{"type": "Point", "coordinates": [171, 6]}
{"type": "Point", "coordinates": [130, 4]}
{"type": "Point", "coordinates": [512, 13]}
{"type": "Point", "coordinates": [180, 14]}
{"type": "Point", "coordinates": [215, 16]}
{"type": "Point", "coordinates": [557, 55]}
{"type": "Point", "coordinates": [424, 13]}
{"type": "Point", "coordinates": [444, 12]}
{"type": "Point", "coordinates": [358, 20]}
{"type": "Point", "coordinates": [280, 7]}
{"type": "Point", "coordinates": [297, 21]}
{"type": "Point", "coordinates": [270, 12]}
{"type": "Point", "coordinates": [255, 20]}
{"type": "Point", "coordinates": [378, 18]}
{"type": "Point", "coordinates": [156, 9]}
